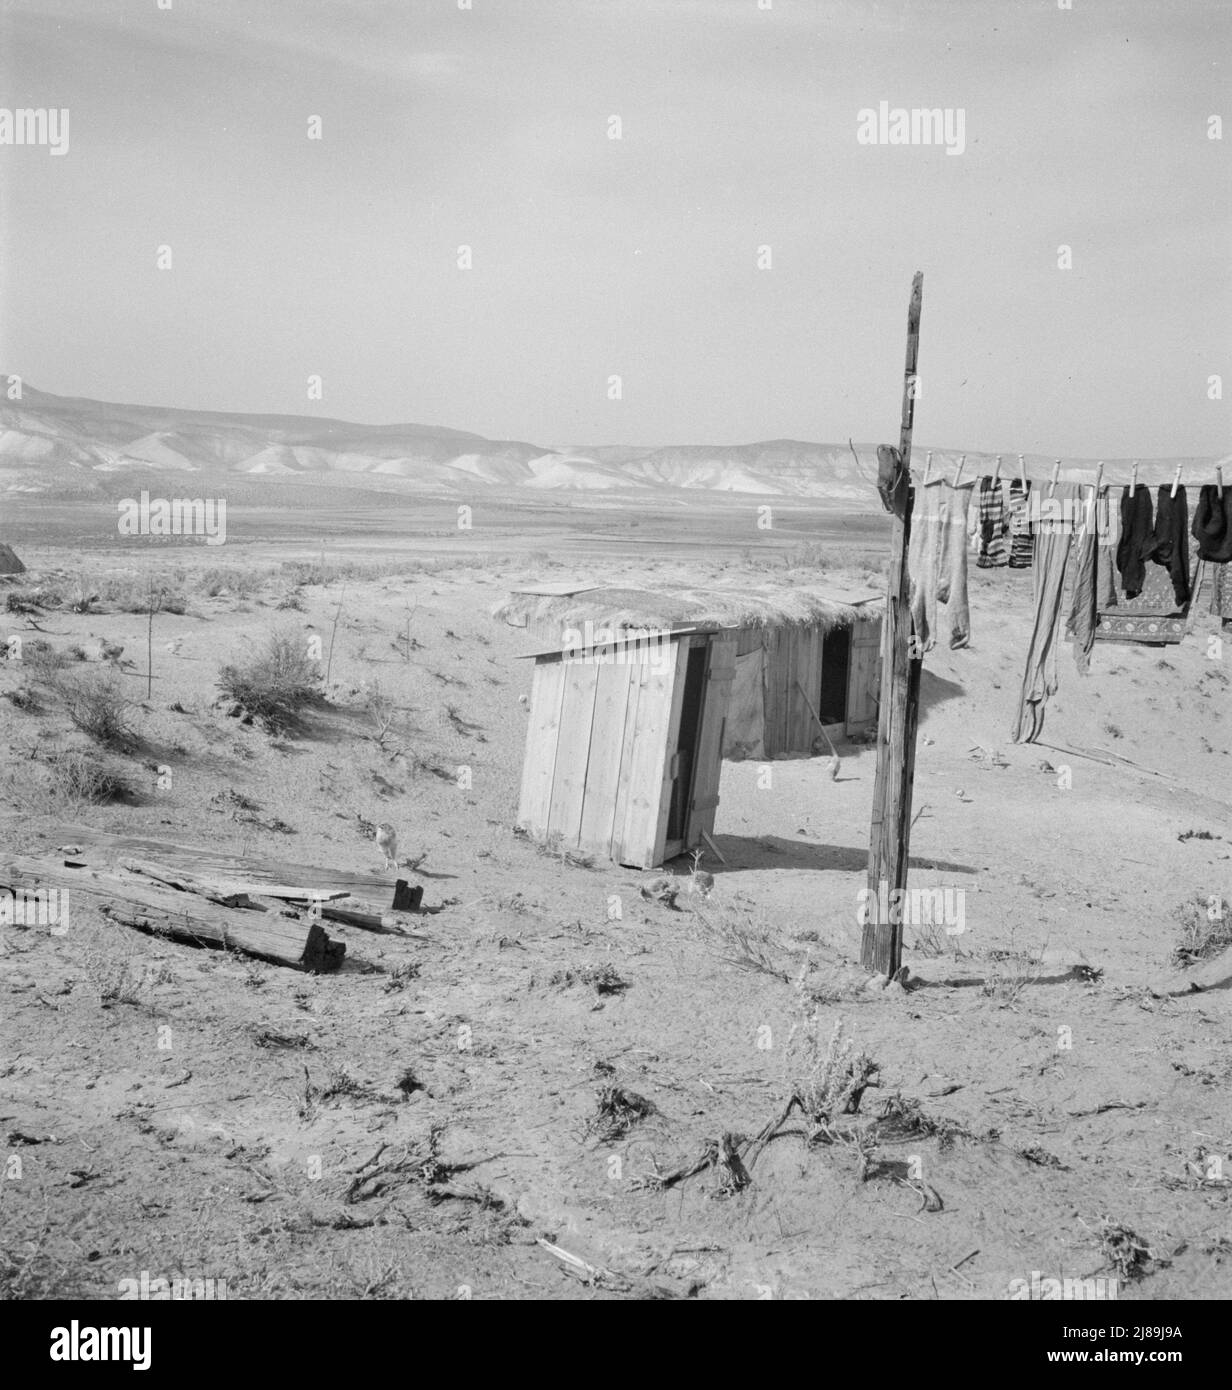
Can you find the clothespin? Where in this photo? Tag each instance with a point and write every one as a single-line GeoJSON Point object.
{"type": "Point", "coordinates": [1219, 480]}
{"type": "Point", "coordinates": [928, 463]}
{"type": "Point", "coordinates": [1176, 481]}
{"type": "Point", "coordinates": [996, 472]}
{"type": "Point", "coordinates": [962, 459]}
{"type": "Point", "coordinates": [1133, 480]}
{"type": "Point", "coordinates": [1056, 472]}
{"type": "Point", "coordinates": [1099, 476]}
{"type": "Point", "coordinates": [1022, 472]}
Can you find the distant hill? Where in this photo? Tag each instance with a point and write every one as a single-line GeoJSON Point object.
{"type": "Point", "coordinates": [71, 447]}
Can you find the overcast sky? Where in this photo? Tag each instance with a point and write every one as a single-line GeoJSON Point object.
{"type": "Point", "coordinates": [595, 257]}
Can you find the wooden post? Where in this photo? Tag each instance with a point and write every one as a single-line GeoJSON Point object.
{"type": "Point", "coordinates": [901, 663]}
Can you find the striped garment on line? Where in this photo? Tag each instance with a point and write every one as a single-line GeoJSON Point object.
{"type": "Point", "coordinates": [1022, 540]}
{"type": "Point", "coordinates": [993, 549]}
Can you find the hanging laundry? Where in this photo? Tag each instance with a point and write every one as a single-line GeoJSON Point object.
{"type": "Point", "coordinates": [1212, 524]}
{"type": "Point", "coordinates": [952, 562]}
{"type": "Point", "coordinates": [1084, 613]}
{"type": "Point", "coordinates": [1109, 533]}
{"type": "Point", "coordinates": [1022, 541]}
{"type": "Point", "coordinates": [1137, 539]}
{"type": "Point", "coordinates": [994, 527]}
{"type": "Point", "coordinates": [937, 562]}
{"type": "Point", "coordinates": [1170, 544]}
{"type": "Point", "coordinates": [1052, 548]}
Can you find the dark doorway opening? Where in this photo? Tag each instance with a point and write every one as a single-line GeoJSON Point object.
{"type": "Point", "coordinates": [686, 743]}
{"type": "Point", "coordinates": [835, 666]}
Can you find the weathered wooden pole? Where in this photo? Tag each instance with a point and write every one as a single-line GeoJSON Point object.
{"type": "Point", "coordinates": [901, 663]}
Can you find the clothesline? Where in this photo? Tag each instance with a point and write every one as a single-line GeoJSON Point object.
{"type": "Point", "coordinates": [959, 470]}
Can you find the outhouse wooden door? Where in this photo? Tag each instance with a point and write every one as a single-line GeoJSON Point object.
{"type": "Point", "coordinates": [863, 674]}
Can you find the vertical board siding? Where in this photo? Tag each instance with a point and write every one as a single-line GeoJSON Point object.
{"type": "Point", "coordinates": [644, 765]}
{"type": "Point", "coordinates": [572, 750]}
{"type": "Point", "coordinates": [547, 692]}
{"type": "Point", "coordinates": [638, 678]}
{"type": "Point", "coordinates": [801, 719]}
{"type": "Point", "coordinates": [776, 703]}
{"type": "Point", "coordinates": [607, 738]}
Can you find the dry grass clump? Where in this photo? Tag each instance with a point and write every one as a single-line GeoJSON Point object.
{"type": "Point", "coordinates": [603, 979]}
{"type": "Point", "coordinates": [1125, 1250]}
{"type": "Point", "coordinates": [119, 977]}
{"type": "Point", "coordinates": [275, 683]}
{"type": "Point", "coordinates": [616, 1113]}
{"type": "Point", "coordinates": [1206, 928]}
{"type": "Point", "coordinates": [80, 777]}
{"type": "Point", "coordinates": [23, 699]}
{"type": "Point", "coordinates": [233, 580]}
{"type": "Point", "coordinates": [133, 594]}
{"type": "Point", "coordinates": [905, 1118]}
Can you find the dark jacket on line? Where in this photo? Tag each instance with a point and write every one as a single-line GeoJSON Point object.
{"type": "Point", "coordinates": [1212, 524]}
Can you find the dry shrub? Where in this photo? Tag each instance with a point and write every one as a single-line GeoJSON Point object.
{"type": "Point", "coordinates": [41, 660]}
{"type": "Point", "coordinates": [274, 684]}
{"type": "Point", "coordinates": [97, 706]}
{"type": "Point", "coordinates": [827, 1083]}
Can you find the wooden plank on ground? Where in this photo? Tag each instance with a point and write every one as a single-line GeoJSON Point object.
{"type": "Point", "coordinates": [228, 892]}
{"type": "Point", "coordinates": [271, 878]}
{"type": "Point", "coordinates": [185, 917]}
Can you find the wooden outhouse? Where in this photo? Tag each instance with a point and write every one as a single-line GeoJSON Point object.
{"type": "Point", "coordinates": [627, 737]}
{"type": "Point", "coordinates": [625, 745]}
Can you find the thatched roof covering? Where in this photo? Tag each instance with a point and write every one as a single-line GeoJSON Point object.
{"type": "Point", "coordinates": [766, 606]}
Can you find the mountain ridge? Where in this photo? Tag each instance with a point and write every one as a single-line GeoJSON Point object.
{"type": "Point", "coordinates": [50, 443]}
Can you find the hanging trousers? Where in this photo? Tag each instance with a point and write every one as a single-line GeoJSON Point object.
{"type": "Point", "coordinates": [1039, 681]}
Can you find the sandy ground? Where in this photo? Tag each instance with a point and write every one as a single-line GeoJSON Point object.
{"type": "Point", "coordinates": [212, 1117]}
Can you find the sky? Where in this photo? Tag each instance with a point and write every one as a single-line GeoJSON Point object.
{"type": "Point", "coordinates": [636, 258]}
